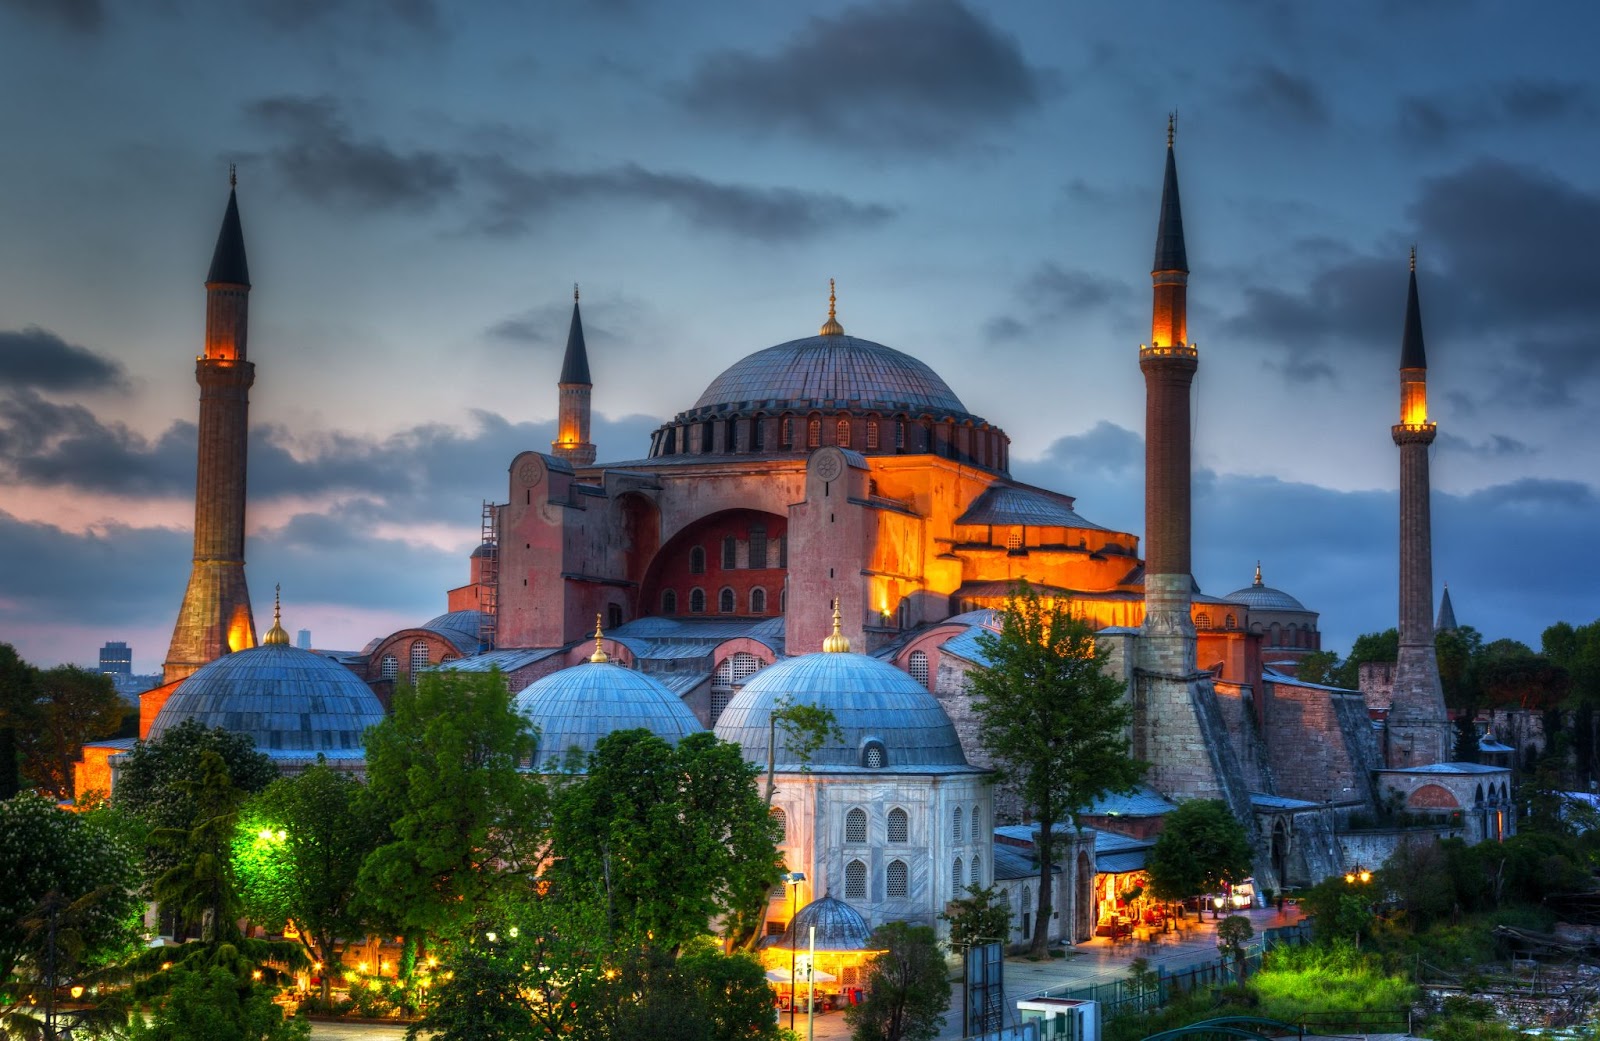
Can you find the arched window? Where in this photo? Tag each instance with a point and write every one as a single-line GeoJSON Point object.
{"type": "Point", "coordinates": [1202, 620]}
{"type": "Point", "coordinates": [899, 825]}
{"type": "Point", "coordinates": [1027, 912]}
{"type": "Point", "coordinates": [841, 433]}
{"type": "Point", "coordinates": [732, 436]}
{"type": "Point", "coordinates": [419, 657]}
{"type": "Point", "coordinates": [725, 600]}
{"type": "Point", "coordinates": [814, 433]}
{"type": "Point", "coordinates": [708, 433]}
{"type": "Point", "coordinates": [955, 880]}
{"type": "Point", "coordinates": [730, 553]}
{"type": "Point", "coordinates": [613, 615]}
{"type": "Point", "coordinates": [1230, 622]}
{"type": "Point", "coordinates": [780, 820]}
{"type": "Point", "coordinates": [900, 435]}
{"type": "Point", "coordinates": [855, 880]}
{"type": "Point", "coordinates": [975, 825]}
{"type": "Point", "coordinates": [786, 432]}
{"type": "Point", "coordinates": [758, 601]}
{"type": "Point", "coordinates": [975, 876]}
{"type": "Point", "coordinates": [758, 545]}
{"type": "Point", "coordinates": [697, 601]}
{"type": "Point", "coordinates": [391, 666]}
{"type": "Point", "coordinates": [758, 433]}
{"type": "Point", "coordinates": [872, 435]}
{"type": "Point", "coordinates": [918, 667]}
{"type": "Point", "coordinates": [896, 880]}
{"type": "Point", "coordinates": [855, 826]}
{"type": "Point", "coordinates": [697, 560]}
{"type": "Point", "coordinates": [873, 756]}
{"type": "Point", "coordinates": [669, 602]}
{"type": "Point", "coordinates": [955, 826]}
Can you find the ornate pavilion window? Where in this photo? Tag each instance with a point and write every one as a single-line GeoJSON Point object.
{"type": "Point", "coordinates": [955, 825]}
{"type": "Point", "coordinates": [976, 825]}
{"type": "Point", "coordinates": [975, 876]}
{"type": "Point", "coordinates": [899, 825]}
{"type": "Point", "coordinates": [955, 880]}
{"type": "Point", "coordinates": [855, 826]}
{"type": "Point", "coordinates": [781, 819]}
{"type": "Point", "coordinates": [897, 879]}
{"type": "Point", "coordinates": [855, 880]}
{"type": "Point", "coordinates": [873, 756]}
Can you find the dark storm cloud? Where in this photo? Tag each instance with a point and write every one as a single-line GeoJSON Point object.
{"type": "Point", "coordinates": [38, 358]}
{"type": "Point", "coordinates": [1441, 118]}
{"type": "Point", "coordinates": [1051, 292]}
{"type": "Point", "coordinates": [520, 196]}
{"type": "Point", "coordinates": [46, 444]}
{"type": "Point", "coordinates": [1282, 96]}
{"type": "Point", "coordinates": [80, 16]}
{"type": "Point", "coordinates": [323, 160]}
{"type": "Point", "coordinates": [922, 75]}
{"type": "Point", "coordinates": [134, 573]}
{"type": "Point", "coordinates": [1495, 446]}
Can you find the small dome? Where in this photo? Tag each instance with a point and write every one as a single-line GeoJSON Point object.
{"type": "Point", "coordinates": [840, 927]}
{"type": "Point", "coordinates": [821, 370]}
{"type": "Point", "coordinates": [874, 704]}
{"type": "Point", "coordinates": [468, 622]}
{"type": "Point", "coordinates": [1259, 597]}
{"type": "Point", "coordinates": [292, 703]}
{"type": "Point", "coordinates": [576, 707]}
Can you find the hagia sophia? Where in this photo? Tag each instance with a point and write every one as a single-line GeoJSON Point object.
{"type": "Point", "coordinates": [829, 524]}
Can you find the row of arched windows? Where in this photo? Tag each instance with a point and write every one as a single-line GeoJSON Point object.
{"type": "Point", "coordinates": [756, 557]}
{"type": "Point", "coordinates": [967, 440]}
{"type": "Point", "coordinates": [727, 601]}
{"type": "Point", "coordinates": [975, 823]}
{"type": "Point", "coordinates": [896, 880]}
{"type": "Point", "coordinates": [1203, 621]}
{"type": "Point", "coordinates": [389, 666]}
{"type": "Point", "coordinates": [960, 882]}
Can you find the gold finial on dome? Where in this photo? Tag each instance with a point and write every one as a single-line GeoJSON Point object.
{"type": "Point", "coordinates": [1258, 572]}
{"type": "Point", "coordinates": [276, 636]}
{"type": "Point", "coordinates": [599, 657]}
{"type": "Point", "coordinates": [831, 327]}
{"type": "Point", "coordinates": [836, 642]}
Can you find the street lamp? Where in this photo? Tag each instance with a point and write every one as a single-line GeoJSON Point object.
{"type": "Point", "coordinates": [792, 879]}
{"type": "Point", "coordinates": [1357, 874]}
{"type": "Point", "coordinates": [1216, 907]}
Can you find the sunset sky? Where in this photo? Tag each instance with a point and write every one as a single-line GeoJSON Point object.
{"type": "Point", "coordinates": [421, 184]}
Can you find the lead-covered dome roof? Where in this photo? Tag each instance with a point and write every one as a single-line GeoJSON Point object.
{"type": "Point", "coordinates": [875, 705]}
{"type": "Point", "coordinates": [292, 703]}
{"type": "Point", "coordinates": [574, 708]}
{"type": "Point", "coordinates": [831, 371]}
{"type": "Point", "coordinates": [1260, 597]}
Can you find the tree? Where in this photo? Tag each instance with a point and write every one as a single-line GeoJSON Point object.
{"type": "Point", "coordinates": [665, 837]}
{"type": "Point", "coordinates": [298, 854]}
{"type": "Point", "coordinates": [1368, 647]}
{"type": "Point", "coordinates": [199, 885]}
{"type": "Point", "coordinates": [1202, 848]}
{"type": "Point", "coordinates": [208, 1003]}
{"type": "Point", "coordinates": [1233, 941]}
{"type": "Point", "coordinates": [464, 821]}
{"type": "Point", "coordinates": [982, 916]}
{"type": "Point", "coordinates": [907, 987]}
{"type": "Point", "coordinates": [17, 709]}
{"type": "Point", "coordinates": [73, 706]}
{"type": "Point", "coordinates": [1054, 721]}
{"type": "Point", "coordinates": [1317, 667]}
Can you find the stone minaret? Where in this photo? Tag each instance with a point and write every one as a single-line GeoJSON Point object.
{"type": "Point", "coordinates": [1418, 727]}
{"type": "Point", "coordinates": [572, 422]}
{"type": "Point", "coordinates": [215, 617]}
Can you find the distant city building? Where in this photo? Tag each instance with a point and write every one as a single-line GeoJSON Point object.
{"type": "Point", "coordinates": [302, 639]}
{"type": "Point", "coordinates": [116, 659]}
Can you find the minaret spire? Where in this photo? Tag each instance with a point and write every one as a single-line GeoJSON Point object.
{"type": "Point", "coordinates": [215, 616]}
{"type": "Point", "coordinates": [574, 388]}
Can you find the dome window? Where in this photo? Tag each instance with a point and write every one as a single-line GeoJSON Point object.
{"type": "Point", "coordinates": [669, 602]}
{"type": "Point", "coordinates": [758, 601]}
{"type": "Point", "coordinates": [855, 880]}
{"type": "Point", "coordinates": [419, 657]}
{"type": "Point", "coordinates": [873, 755]}
{"type": "Point", "coordinates": [814, 433]}
{"type": "Point", "coordinates": [725, 600]}
{"type": "Point", "coordinates": [697, 560]}
{"type": "Point", "coordinates": [841, 433]}
{"type": "Point", "coordinates": [786, 432]}
{"type": "Point", "coordinates": [697, 601]}
{"type": "Point", "coordinates": [896, 880]}
{"type": "Point", "coordinates": [899, 435]}
{"type": "Point", "coordinates": [872, 435]}
{"type": "Point", "coordinates": [758, 433]}
{"type": "Point", "coordinates": [391, 667]}
{"type": "Point", "coordinates": [855, 826]}
{"type": "Point", "coordinates": [899, 825]}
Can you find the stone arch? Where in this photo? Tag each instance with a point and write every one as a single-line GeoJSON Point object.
{"type": "Point", "coordinates": [1085, 915]}
{"type": "Point", "coordinates": [1432, 797]}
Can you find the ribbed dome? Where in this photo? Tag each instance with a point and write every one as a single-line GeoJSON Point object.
{"type": "Point", "coordinates": [467, 622]}
{"type": "Point", "coordinates": [840, 927]}
{"type": "Point", "coordinates": [872, 701]}
{"type": "Point", "coordinates": [576, 707]}
{"type": "Point", "coordinates": [821, 370]}
{"type": "Point", "coordinates": [293, 703]}
{"type": "Point", "coordinates": [1265, 598]}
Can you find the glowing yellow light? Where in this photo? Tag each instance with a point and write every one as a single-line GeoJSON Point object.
{"type": "Point", "coordinates": [77, 992]}
{"type": "Point", "coordinates": [1349, 877]}
{"type": "Point", "coordinates": [362, 967]}
{"type": "Point", "coordinates": [432, 961]}
{"type": "Point", "coordinates": [1366, 876]}
{"type": "Point", "coordinates": [317, 965]}
{"type": "Point", "coordinates": [265, 834]}
{"type": "Point", "coordinates": [492, 935]}
{"type": "Point", "coordinates": [513, 932]}
{"type": "Point", "coordinates": [166, 965]}
{"type": "Point", "coordinates": [256, 974]}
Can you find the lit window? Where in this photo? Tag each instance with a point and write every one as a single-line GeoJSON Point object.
{"type": "Point", "coordinates": [725, 600]}
{"type": "Point", "coordinates": [855, 880]}
{"type": "Point", "coordinates": [697, 560]}
{"type": "Point", "coordinates": [841, 433]}
{"type": "Point", "coordinates": [391, 666]}
{"type": "Point", "coordinates": [1014, 539]}
{"type": "Point", "coordinates": [730, 553]}
{"type": "Point", "coordinates": [955, 826]}
{"type": "Point", "coordinates": [873, 756]}
{"type": "Point", "coordinates": [899, 825]}
{"type": "Point", "coordinates": [781, 821]}
{"type": "Point", "coordinates": [850, 975]}
{"type": "Point", "coordinates": [872, 435]}
{"type": "Point", "coordinates": [1202, 620]}
{"type": "Point", "coordinates": [697, 601]}
{"type": "Point", "coordinates": [918, 667]}
{"type": "Point", "coordinates": [669, 602]}
{"type": "Point", "coordinates": [955, 880]}
{"type": "Point", "coordinates": [419, 657]}
{"type": "Point", "coordinates": [855, 826]}
{"type": "Point", "coordinates": [814, 433]}
{"type": "Point", "coordinates": [897, 880]}
{"type": "Point", "coordinates": [758, 601]}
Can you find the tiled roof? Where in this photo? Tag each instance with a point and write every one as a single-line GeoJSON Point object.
{"type": "Point", "coordinates": [1018, 504]}
{"type": "Point", "coordinates": [1143, 801]}
{"type": "Point", "coordinates": [1281, 802]}
{"type": "Point", "coordinates": [832, 371]}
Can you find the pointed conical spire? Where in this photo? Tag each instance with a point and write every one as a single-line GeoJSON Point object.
{"type": "Point", "coordinates": [1412, 355]}
{"type": "Point", "coordinates": [575, 366]}
{"type": "Point", "coordinates": [227, 260]}
{"type": "Point", "coordinates": [277, 636]}
{"type": "Point", "coordinates": [1170, 252]}
{"type": "Point", "coordinates": [1447, 613]}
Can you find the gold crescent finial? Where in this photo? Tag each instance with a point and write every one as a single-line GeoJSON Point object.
{"type": "Point", "coordinates": [277, 636]}
{"type": "Point", "coordinates": [599, 656]}
{"type": "Point", "coordinates": [1172, 126]}
{"type": "Point", "coordinates": [836, 642]}
{"type": "Point", "coordinates": [832, 327]}
{"type": "Point", "coordinates": [233, 176]}
{"type": "Point", "coordinates": [1413, 256]}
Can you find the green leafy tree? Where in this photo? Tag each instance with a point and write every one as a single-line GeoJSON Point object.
{"type": "Point", "coordinates": [18, 699]}
{"type": "Point", "coordinates": [1368, 647]}
{"type": "Point", "coordinates": [208, 1003]}
{"type": "Point", "coordinates": [906, 988]}
{"type": "Point", "coordinates": [982, 916]}
{"type": "Point", "coordinates": [74, 706]}
{"type": "Point", "coordinates": [1233, 941]}
{"type": "Point", "coordinates": [1054, 722]}
{"type": "Point", "coordinates": [703, 995]}
{"type": "Point", "coordinates": [1317, 667]}
{"type": "Point", "coordinates": [298, 854]}
{"type": "Point", "coordinates": [665, 837]}
{"type": "Point", "coordinates": [1341, 907]}
{"type": "Point", "coordinates": [1202, 848]}
{"type": "Point", "coordinates": [1576, 649]}
{"type": "Point", "coordinates": [464, 821]}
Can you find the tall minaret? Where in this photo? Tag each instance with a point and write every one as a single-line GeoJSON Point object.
{"type": "Point", "coordinates": [215, 617]}
{"type": "Point", "coordinates": [1418, 726]}
{"type": "Point", "coordinates": [572, 422]}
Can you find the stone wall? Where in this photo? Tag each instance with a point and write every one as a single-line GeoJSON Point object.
{"type": "Point", "coordinates": [1312, 751]}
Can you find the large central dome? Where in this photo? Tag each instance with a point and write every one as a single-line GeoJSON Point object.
{"type": "Point", "coordinates": [832, 371]}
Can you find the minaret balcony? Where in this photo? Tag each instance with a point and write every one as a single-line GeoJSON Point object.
{"type": "Point", "coordinates": [1414, 433]}
{"type": "Point", "coordinates": [1177, 350]}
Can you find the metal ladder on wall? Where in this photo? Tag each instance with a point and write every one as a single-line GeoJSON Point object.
{"type": "Point", "coordinates": [489, 587]}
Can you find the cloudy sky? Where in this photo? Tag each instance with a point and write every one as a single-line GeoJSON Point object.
{"type": "Point", "coordinates": [421, 183]}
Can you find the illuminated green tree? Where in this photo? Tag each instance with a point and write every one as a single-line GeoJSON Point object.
{"type": "Point", "coordinates": [907, 987]}
{"type": "Point", "coordinates": [73, 706]}
{"type": "Point", "coordinates": [1202, 848]}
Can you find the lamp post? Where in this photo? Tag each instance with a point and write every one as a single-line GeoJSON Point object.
{"type": "Point", "coordinates": [1357, 874]}
{"type": "Point", "coordinates": [1216, 907]}
{"type": "Point", "coordinates": [792, 879]}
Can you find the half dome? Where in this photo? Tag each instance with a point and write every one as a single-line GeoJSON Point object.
{"type": "Point", "coordinates": [832, 371]}
{"type": "Point", "coordinates": [574, 708]}
{"type": "Point", "coordinates": [886, 719]}
{"type": "Point", "coordinates": [292, 703]}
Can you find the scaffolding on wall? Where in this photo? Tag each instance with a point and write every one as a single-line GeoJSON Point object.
{"type": "Point", "coordinates": [489, 583]}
